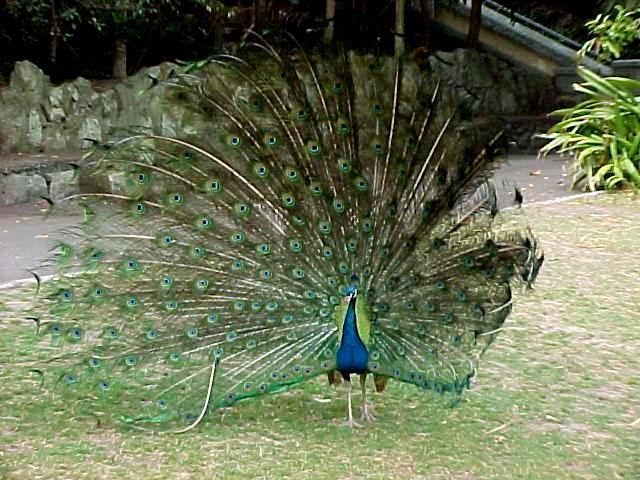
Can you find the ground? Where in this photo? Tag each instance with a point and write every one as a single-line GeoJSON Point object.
{"type": "Point", "coordinates": [556, 396]}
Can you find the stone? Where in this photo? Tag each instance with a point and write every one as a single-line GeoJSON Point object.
{"type": "Point", "coordinates": [33, 133]}
{"type": "Point", "coordinates": [90, 129]}
{"type": "Point", "coordinates": [29, 81]}
{"type": "Point", "coordinates": [21, 188]}
{"type": "Point", "coordinates": [62, 184]}
{"type": "Point", "coordinates": [113, 182]}
{"type": "Point", "coordinates": [55, 137]}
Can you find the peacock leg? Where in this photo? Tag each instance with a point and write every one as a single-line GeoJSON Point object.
{"type": "Point", "coordinates": [350, 421]}
{"type": "Point", "coordinates": [366, 414]}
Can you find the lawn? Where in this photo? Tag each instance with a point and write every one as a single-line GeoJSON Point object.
{"type": "Point", "coordinates": [556, 397]}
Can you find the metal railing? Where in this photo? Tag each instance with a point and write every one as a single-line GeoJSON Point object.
{"type": "Point", "coordinates": [515, 17]}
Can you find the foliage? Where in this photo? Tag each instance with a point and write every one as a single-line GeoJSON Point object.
{"type": "Point", "coordinates": [603, 130]}
{"type": "Point", "coordinates": [156, 29]}
{"type": "Point", "coordinates": [612, 33]}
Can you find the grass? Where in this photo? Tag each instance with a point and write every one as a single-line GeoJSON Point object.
{"type": "Point", "coordinates": [557, 396]}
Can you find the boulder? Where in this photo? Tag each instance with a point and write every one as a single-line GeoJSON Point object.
{"type": "Point", "coordinates": [21, 188]}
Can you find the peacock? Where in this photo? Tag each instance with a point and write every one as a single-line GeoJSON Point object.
{"type": "Point", "coordinates": [327, 215]}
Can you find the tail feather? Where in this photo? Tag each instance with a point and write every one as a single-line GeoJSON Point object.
{"type": "Point", "coordinates": [213, 270]}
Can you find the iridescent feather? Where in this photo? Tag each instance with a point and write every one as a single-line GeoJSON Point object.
{"type": "Point", "coordinates": [222, 266]}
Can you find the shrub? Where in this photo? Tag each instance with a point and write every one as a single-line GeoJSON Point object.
{"type": "Point", "coordinates": [603, 132]}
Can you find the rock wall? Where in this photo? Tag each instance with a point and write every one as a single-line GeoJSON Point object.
{"type": "Point", "coordinates": [36, 116]}
{"type": "Point", "coordinates": [498, 88]}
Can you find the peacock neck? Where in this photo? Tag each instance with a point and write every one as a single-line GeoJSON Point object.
{"type": "Point", "coordinates": [352, 356]}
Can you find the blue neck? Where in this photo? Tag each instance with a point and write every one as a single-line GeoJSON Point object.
{"type": "Point", "coordinates": [352, 356]}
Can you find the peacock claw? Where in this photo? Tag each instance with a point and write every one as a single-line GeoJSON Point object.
{"type": "Point", "coordinates": [351, 423]}
{"type": "Point", "coordinates": [367, 416]}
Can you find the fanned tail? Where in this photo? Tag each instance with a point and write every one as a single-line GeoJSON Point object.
{"type": "Point", "coordinates": [211, 269]}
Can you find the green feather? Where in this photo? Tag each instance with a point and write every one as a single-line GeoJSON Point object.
{"type": "Point", "coordinates": [217, 270]}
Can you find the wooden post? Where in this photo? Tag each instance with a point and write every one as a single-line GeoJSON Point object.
{"type": "Point", "coordinates": [475, 22]}
{"type": "Point", "coordinates": [53, 41]}
{"type": "Point", "coordinates": [120, 59]}
{"type": "Point", "coordinates": [428, 14]}
{"type": "Point", "coordinates": [259, 14]}
{"type": "Point", "coordinates": [399, 41]}
{"type": "Point", "coordinates": [330, 14]}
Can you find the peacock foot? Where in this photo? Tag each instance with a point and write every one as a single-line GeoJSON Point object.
{"type": "Point", "coordinates": [367, 415]}
{"type": "Point", "coordinates": [351, 423]}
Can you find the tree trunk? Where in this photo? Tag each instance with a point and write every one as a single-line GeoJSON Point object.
{"type": "Point", "coordinates": [399, 42]}
{"type": "Point", "coordinates": [330, 14]}
{"type": "Point", "coordinates": [259, 13]}
{"type": "Point", "coordinates": [120, 59]}
{"type": "Point", "coordinates": [54, 34]}
{"type": "Point", "coordinates": [428, 14]}
{"type": "Point", "coordinates": [475, 21]}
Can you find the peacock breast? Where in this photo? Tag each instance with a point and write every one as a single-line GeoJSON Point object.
{"type": "Point", "coordinates": [352, 355]}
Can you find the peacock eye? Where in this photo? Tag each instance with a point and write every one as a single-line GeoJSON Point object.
{"type": "Point", "coordinates": [233, 140]}
{"type": "Point", "coordinates": [295, 245]}
{"type": "Point", "coordinates": [313, 147]}
{"type": "Point", "coordinates": [361, 184]}
{"type": "Point", "coordinates": [338, 205]}
{"type": "Point", "coordinates": [315, 189]}
{"type": "Point", "coordinates": [256, 104]}
{"type": "Point", "coordinates": [131, 360]}
{"type": "Point", "coordinates": [142, 178]}
{"type": "Point", "coordinates": [325, 227]}
{"type": "Point", "coordinates": [270, 140]}
{"type": "Point", "coordinates": [237, 265]}
{"type": "Point", "coordinates": [132, 301]}
{"type": "Point", "coordinates": [292, 174]}
{"type": "Point", "coordinates": [264, 248]}
{"type": "Point", "coordinates": [192, 332]}
{"type": "Point", "coordinates": [260, 170]}
{"type": "Point", "coordinates": [204, 222]}
{"type": "Point", "coordinates": [288, 200]}
{"type": "Point", "coordinates": [343, 165]}
{"type": "Point", "coordinates": [214, 186]}
{"type": "Point", "coordinates": [337, 87]}
{"type": "Point", "coordinates": [241, 209]}
{"type": "Point", "coordinates": [111, 333]}
{"type": "Point", "coordinates": [237, 237]}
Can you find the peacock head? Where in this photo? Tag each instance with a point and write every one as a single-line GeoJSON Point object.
{"type": "Point", "coordinates": [351, 290]}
